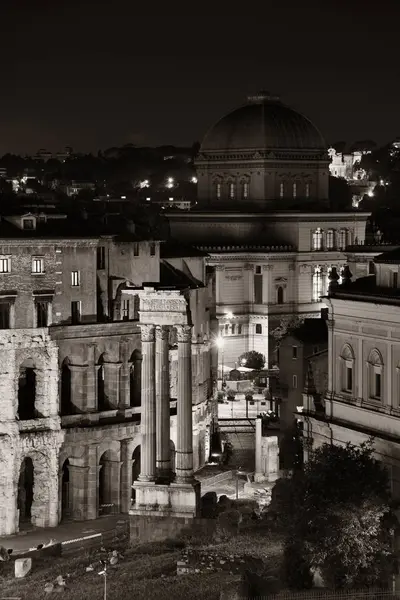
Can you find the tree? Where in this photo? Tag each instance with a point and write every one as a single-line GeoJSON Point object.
{"type": "Point", "coordinates": [338, 517]}
{"type": "Point", "coordinates": [252, 360]}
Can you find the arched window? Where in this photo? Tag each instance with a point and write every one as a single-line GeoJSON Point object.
{"type": "Point", "coordinates": [375, 375]}
{"type": "Point", "coordinates": [231, 191]}
{"type": "Point", "coordinates": [218, 190]}
{"type": "Point", "coordinates": [294, 190]}
{"type": "Point", "coordinates": [317, 239]}
{"type": "Point", "coordinates": [347, 369]}
{"type": "Point", "coordinates": [233, 329]}
{"type": "Point", "coordinates": [281, 189]}
{"type": "Point", "coordinates": [245, 190]}
{"type": "Point", "coordinates": [258, 328]}
{"type": "Point", "coordinates": [317, 284]}
{"type": "Point", "coordinates": [307, 190]}
{"type": "Point", "coordinates": [279, 295]}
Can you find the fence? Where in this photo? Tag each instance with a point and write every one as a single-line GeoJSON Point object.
{"type": "Point", "coordinates": [364, 594]}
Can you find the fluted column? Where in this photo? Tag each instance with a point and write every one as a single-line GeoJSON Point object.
{"type": "Point", "coordinates": [162, 404]}
{"type": "Point", "coordinates": [148, 413]}
{"type": "Point", "coordinates": [184, 446]}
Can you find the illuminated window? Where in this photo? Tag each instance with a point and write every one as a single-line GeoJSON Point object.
{"type": "Point", "coordinates": [258, 328]}
{"type": "Point", "coordinates": [342, 239]}
{"type": "Point", "coordinates": [125, 310]}
{"type": "Point", "coordinates": [375, 375]}
{"type": "Point", "coordinates": [37, 265]}
{"type": "Point", "coordinates": [5, 264]}
{"type": "Point", "coordinates": [245, 190]}
{"type": "Point", "coordinates": [317, 284]}
{"type": "Point", "coordinates": [347, 366]}
{"type": "Point", "coordinates": [281, 189]}
{"type": "Point", "coordinates": [307, 190]}
{"type": "Point", "coordinates": [330, 239]}
{"type": "Point", "coordinates": [294, 190]}
{"type": "Point", "coordinates": [218, 190]}
{"type": "Point", "coordinates": [231, 191]}
{"type": "Point", "coordinates": [75, 278]}
{"type": "Point", "coordinates": [317, 239]}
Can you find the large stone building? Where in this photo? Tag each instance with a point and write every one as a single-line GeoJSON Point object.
{"type": "Point", "coordinates": [363, 395]}
{"type": "Point", "coordinates": [263, 217]}
{"type": "Point", "coordinates": [73, 325]}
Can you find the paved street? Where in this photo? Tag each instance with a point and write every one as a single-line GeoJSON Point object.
{"type": "Point", "coordinates": [237, 408]}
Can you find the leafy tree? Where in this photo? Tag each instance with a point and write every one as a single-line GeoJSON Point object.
{"type": "Point", "coordinates": [252, 360]}
{"type": "Point", "coordinates": [338, 517]}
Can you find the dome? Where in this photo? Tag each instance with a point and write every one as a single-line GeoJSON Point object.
{"type": "Point", "coordinates": [263, 123]}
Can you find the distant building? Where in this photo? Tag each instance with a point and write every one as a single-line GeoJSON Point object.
{"type": "Point", "coordinates": [46, 155]}
{"type": "Point", "coordinates": [363, 395]}
{"type": "Point", "coordinates": [347, 166]}
{"type": "Point", "coordinates": [73, 188]}
{"type": "Point", "coordinates": [305, 343]}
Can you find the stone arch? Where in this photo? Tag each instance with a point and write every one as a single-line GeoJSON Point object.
{"type": "Point", "coordinates": [135, 469]}
{"type": "Point", "coordinates": [65, 388]}
{"type": "Point", "coordinates": [375, 358]}
{"type": "Point", "coordinates": [108, 482]}
{"type": "Point", "coordinates": [33, 498]}
{"type": "Point", "coordinates": [135, 379]}
{"type": "Point", "coordinates": [27, 390]}
{"type": "Point", "coordinates": [347, 352]}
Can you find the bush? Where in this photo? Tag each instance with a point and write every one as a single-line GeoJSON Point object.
{"type": "Point", "coordinates": [249, 397]}
{"type": "Point", "coordinates": [231, 396]}
{"type": "Point", "coordinates": [252, 360]}
{"type": "Point", "coordinates": [228, 523]}
{"type": "Point", "coordinates": [296, 570]}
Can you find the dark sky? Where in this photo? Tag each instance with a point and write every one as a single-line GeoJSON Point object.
{"type": "Point", "coordinates": [96, 74]}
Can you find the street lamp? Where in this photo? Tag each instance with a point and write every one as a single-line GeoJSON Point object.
{"type": "Point", "coordinates": [220, 342]}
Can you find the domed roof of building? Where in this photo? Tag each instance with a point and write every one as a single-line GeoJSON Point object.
{"type": "Point", "coordinates": [263, 123]}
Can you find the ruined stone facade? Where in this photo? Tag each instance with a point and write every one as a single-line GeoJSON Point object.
{"type": "Point", "coordinates": [71, 391]}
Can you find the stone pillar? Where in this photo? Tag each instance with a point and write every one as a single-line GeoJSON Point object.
{"type": "Point", "coordinates": [126, 475]}
{"type": "Point", "coordinates": [78, 373]}
{"type": "Point", "coordinates": [111, 384]}
{"type": "Point", "coordinates": [258, 470]}
{"type": "Point", "coordinates": [124, 376]}
{"type": "Point", "coordinates": [148, 413]}
{"type": "Point", "coordinates": [91, 380]}
{"type": "Point", "coordinates": [163, 463]}
{"type": "Point", "coordinates": [184, 446]}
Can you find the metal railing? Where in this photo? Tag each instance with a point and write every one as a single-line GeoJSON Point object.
{"type": "Point", "coordinates": [324, 594]}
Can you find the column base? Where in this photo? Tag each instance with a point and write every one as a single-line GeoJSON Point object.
{"type": "Point", "coordinates": [179, 499]}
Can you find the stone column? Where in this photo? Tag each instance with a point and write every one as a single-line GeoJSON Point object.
{"type": "Point", "coordinates": [148, 413]}
{"type": "Point", "coordinates": [124, 376]}
{"type": "Point", "coordinates": [162, 404]}
{"type": "Point", "coordinates": [111, 384]}
{"type": "Point", "coordinates": [91, 380]}
{"type": "Point", "coordinates": [78, 373]}
{"type": "Point", "coordinates": [259, 467]}
{"type": "Point", "coordinates": [184, 447]}
{"type": "Point", "coordinates": [126, 475]}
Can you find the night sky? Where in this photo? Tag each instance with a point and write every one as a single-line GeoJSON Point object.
{"type": "Point", "coordinates": [74, 73]}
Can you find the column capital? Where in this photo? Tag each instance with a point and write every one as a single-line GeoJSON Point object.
{"type": "Point", "coordinates": [147, 332]}
{"type": "Point", "coordinates": [162, 332]}
{"type": "Point", "coordinates": [184, 333]}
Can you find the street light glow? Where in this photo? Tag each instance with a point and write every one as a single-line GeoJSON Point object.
{"type": "Point", "coordinates": [220, 341]}
{"type": "Point", "coordinates": [194, 180]}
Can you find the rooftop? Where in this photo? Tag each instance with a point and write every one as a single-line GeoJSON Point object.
{"type": "Point", "coordinates": [365, 289]}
